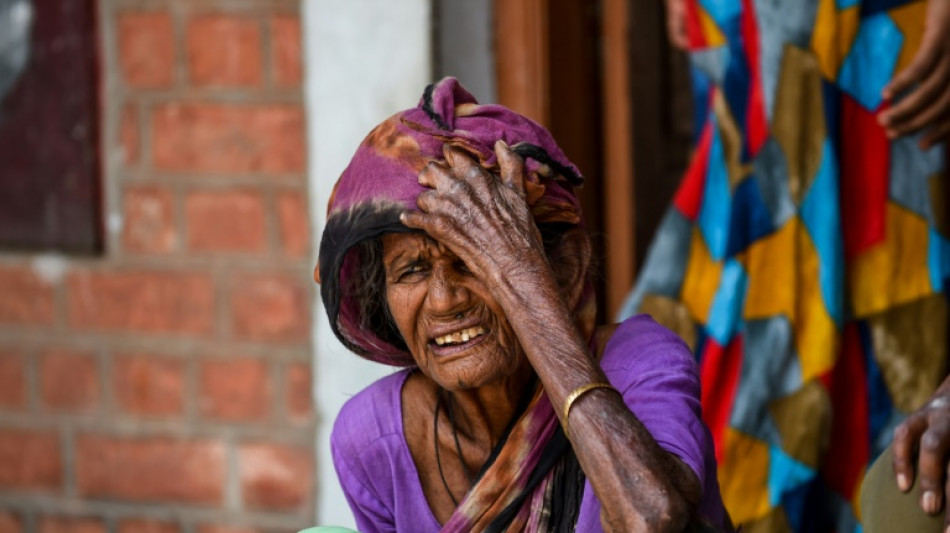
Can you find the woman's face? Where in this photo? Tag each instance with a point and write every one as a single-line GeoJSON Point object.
{"type": "Point", "coordinates": [455, 330]}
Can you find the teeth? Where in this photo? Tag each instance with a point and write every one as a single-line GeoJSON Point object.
{"type": "Point", "coordinates": [460, 336]}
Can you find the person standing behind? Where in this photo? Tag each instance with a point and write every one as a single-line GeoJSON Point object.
{"type": "Point", "coordinates": [805, 257]}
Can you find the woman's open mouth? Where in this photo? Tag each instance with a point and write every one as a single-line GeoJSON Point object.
{"type": "Point", "coordinates": [457, 341]}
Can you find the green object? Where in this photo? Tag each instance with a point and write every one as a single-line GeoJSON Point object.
{"type": "Point", "coordinates": [328, 529]}
{"type": "Point", "coordinates": [885, 509]}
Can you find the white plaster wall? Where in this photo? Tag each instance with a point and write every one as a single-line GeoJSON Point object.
{"type": "Point", "coordinates": [365, 60]}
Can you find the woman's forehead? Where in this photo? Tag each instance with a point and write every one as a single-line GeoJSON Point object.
{"type": "Point", "coordinates": [400, 244]}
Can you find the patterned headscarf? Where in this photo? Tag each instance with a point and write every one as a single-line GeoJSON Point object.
{"type": "Point", "coordinates": [381, 181]}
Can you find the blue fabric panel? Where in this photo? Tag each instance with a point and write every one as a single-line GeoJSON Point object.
{"type": "Point", "coordinates": [914, 167]}
{"type": "Point", "coordinates": [702, 85]}
{"type": "Point", "coordinates": [770, 369]}
{"type": "Point", "coordinates": [771, 171]}
{"type": "Point", "coordinates": [938, 260]}
{"type": "Point", "coordinates": [871, 7]}
{"type": "Point", "coordinates": [831, 98]}
{"type": "Point", "coordinates": [822, 217]}
{"type": "Point", "coordinates": [871, 61]}
{"type": "Point", "coordinates": [726, 312]}
{"type": "Point", "coordinates": [785, 474]}
{"type": "Point", "coordinates": [724, 12]}
{"type": "Point", "coordinates": [666, 262]}
{"type": "Point", "coordinates": [789, 24]}
{"type": "Point", "coordinates": [751, 219]}
{"type": "Point", "coordinates": [717, 204]}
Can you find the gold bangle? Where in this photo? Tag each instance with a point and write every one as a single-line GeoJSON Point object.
{"type": "Point", "coordinates": [577, 393]}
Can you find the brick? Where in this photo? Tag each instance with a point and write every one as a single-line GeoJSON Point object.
{"type": "Point", "coordinates": [149, 385]}
{"type": "Point", "coordinates": [69, 381]}
{"type": "Point", "coordinates": [299, 391]}
{"type": "Point", "coordinates": [221, 528]}
{"type": "Point", "coordinates": [26, 298]}
{"type": "Point", "coordinates": [149, 225]}
{"type": "Point", "coordinates": [276, 476]}
{"type": "Point", "coordinates": [154, 302]}
{"type": "Point", "coordinates": [156, 469]}
{"type": "Point", "coordinates": [286, 59]}
{"type": "Point", "coordinates": [145, 525]}
{"type": "Point", "coordinates": [30, 460]}
{"type": "Point", "coordinates": [12, 380]}
{"type": "Point", "coordinates": [294, 224]}
{"type": "Point", "coordinates": [10, 523]}
{"type": "Point", "coordinates": [228, 138]}
{"type": "Point", "coordinates": [270, 307]}
{"type": "Point", "coordinates": [224, 50]}
{"type": "Point", "coordinates": [129, 134]}
{"type": "Point", "coordinates": [146, 49]}
{"type": "Point", "coordinates": [225, 221]}
{"type": "Point", "coordinates": [50, 524]}
{"type": "Point", "coordinates": [235, 389]}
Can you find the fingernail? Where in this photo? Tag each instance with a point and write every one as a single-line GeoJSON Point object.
{"type": "Point", "coordinates": [930, 502]}
{"type": "Point", "coordinates": [902, 482]}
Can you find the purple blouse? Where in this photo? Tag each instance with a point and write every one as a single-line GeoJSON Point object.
{"type": "Point", "coordinates": [649, 364]}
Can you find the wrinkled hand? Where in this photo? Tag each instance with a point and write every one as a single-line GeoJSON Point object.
{"type": "Point", "coordinates": [926, 430]}
{"type": "Point", "coordinates": [676, 23]}
{"type": "Point", "coordinates": [927, 105]}
{"type": "Point", "coordinates": [482, 218]}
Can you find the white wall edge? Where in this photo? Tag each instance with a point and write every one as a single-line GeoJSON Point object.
{"type": "Point", "coordinates": [365, 60]}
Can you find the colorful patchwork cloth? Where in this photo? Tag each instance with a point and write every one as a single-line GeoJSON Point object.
{"type": "Point", "coordinates": [805, 256]}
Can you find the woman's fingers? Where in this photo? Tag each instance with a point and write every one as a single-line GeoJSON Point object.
{"type": "Point", "coordinates": [436, 175]}
{"type": "Point", "coordinates": [919, 67]}
{"type": "Point", "coordinates": [897, 118]}
{"type": "Point", "coordinates": [932, 464]}
{"type": "Point", "coordinates": [512, 168]}
{"type": "Point", "coordinates": [906, 437]}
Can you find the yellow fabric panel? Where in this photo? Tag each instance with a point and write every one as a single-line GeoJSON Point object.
{"type": "Point", "coordinates": [714, 36]}
{"type": "Point", "coordinates": [784, 279]}
{"type": "Point", "coordinates": [816, 334]}
{"type": "Point", "coordinates": [744, 476]}
{"type": "Point", "coordinates": [772, 284]}
{"type": "Point", "coordinates": [833, 35]}
{"type": "Point", "coordinates": [701, 279]}
{"type": "Point", "coordinates": [909, 19]}
{"type": "Point", "coordinates": [894, 271]}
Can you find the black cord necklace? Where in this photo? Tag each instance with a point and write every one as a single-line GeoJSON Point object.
{"type": "Point", "coordinates": [458, 447]}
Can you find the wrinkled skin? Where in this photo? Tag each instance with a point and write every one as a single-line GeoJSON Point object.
{"type": "Point", "coordinates": [920, 446]}
{"type": "Point", "coordinates": [485, 257]}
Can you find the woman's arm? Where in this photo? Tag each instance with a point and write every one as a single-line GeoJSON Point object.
{"type": "Point", "coordinates": [487, 223]}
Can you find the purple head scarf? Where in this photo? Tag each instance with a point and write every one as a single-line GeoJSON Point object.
{"type": "Point", "coordinates": [381, 182]}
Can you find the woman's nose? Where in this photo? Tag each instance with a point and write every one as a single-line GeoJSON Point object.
{"type": "Point", "coordinates": [447, 293]}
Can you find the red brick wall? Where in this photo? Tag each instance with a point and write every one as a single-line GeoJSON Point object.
{"type": "Point", "coordinates": [165, 386]}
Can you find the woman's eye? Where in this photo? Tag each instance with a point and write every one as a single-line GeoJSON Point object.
{"type": "Point", "coordinates": [412, 270]}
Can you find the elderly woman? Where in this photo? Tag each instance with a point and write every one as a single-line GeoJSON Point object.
{"type": "Point", "coordinates": [455, 248]}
